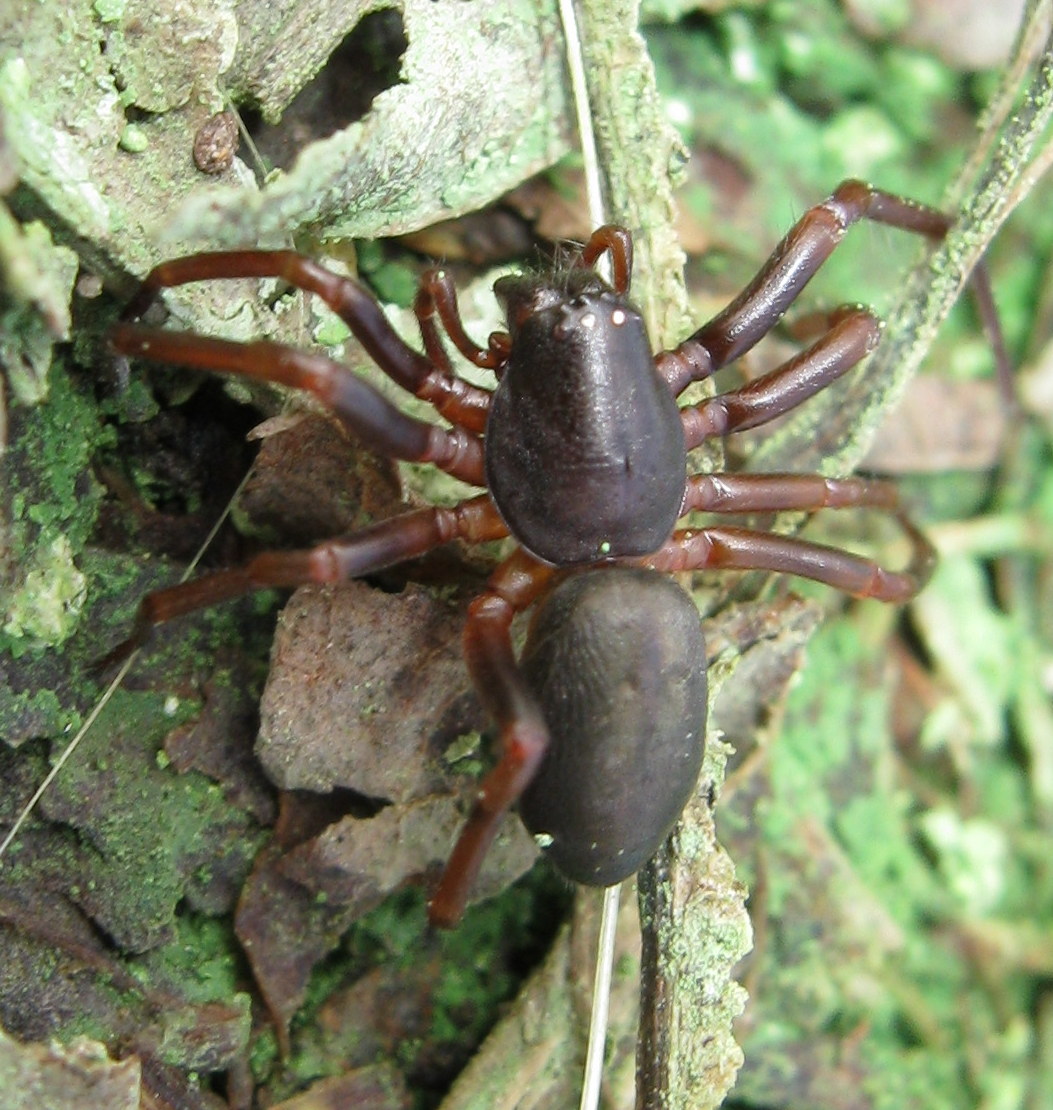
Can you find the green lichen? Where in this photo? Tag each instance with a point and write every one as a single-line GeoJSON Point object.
{"type": "Point", "coordinates": [149, 829]}
{"type": "Point", "coordinates": [34, 306]}
{"type": "Point", "coordinates": [850, 893]}
{"type": "Point", "coordinates": [50, 502]}
{"type": "Point", "coordinates": [134, 139]}
{"type": "Point", "coordinates": [46, 608]}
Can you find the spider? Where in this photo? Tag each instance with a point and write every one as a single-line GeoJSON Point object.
{"type": "Point", "coordinates": [580, 448]}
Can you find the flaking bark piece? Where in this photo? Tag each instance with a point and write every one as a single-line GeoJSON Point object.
{"type": "Point", "coordinates": [311, 482]}
{"type": "Point", "coordinates": [367, 691]}
{"type": "Point", "coordinates": [297, 904]}
{"type": "Point", "coordinates": [417, 157]}
{"type": "Point", "coordinates": [358, 861]}
{"type": "Point", "coordinates": [378, 1087]}
{"type": "Point", "coordinates": [284, 931]}
{"type": "Point", "coordinates": [940, 424]}
{"type": "Point", "coordinates": [77, 1076]}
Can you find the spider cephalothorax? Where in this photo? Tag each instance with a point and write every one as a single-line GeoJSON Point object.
{"type": "Point", "coordinates": [580, 401]}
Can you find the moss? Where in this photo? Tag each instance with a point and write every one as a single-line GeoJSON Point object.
{"type": "Point", "coordinates": [855, 871]}
{"type": "Point", "coordinates": [51, 502]}
{"type": "Point", "coordinates": [462, 980]}
{"type": "Point", "coordinates": [34, 312]}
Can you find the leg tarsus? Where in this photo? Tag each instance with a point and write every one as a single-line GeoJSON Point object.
{"type": "Point", "coordinates": [436, 296]}
{"type": "Point", "coordinates": [458, 401]}
{"type": "Point", "coordinates": [987, 310]}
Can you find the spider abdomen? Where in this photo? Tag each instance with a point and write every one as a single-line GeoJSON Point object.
{"type": "Point", "coordinates": [616, 659]}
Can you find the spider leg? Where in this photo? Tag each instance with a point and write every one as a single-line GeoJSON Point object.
{"type": "Point", "coordinates": [456, 400]}
{"type": "Point", "coordinates": [793, 263]}
{"type": "Point", "coordinates": [744, 549]}
{"type": "Point", "coordinates": [619, 244]}
{"type": "Point", "coordinates": [853, 334]}
{"type": "Point", "coordinates": [773, 493]}
{"type": "Point", "coordinates": [523, 734]}
{"type": "Point", "coordinates": [381, 545]}
{"type": "Point", "coordinates": [437, 297]}
{"type": "Point", "coordinates": [378, 423]}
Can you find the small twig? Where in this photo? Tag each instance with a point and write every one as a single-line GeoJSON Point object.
{"type": "Point", "coordinates": [601, 993]}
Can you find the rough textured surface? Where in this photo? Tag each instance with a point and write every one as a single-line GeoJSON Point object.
{"type": "Point", "coordinates": [418, 158]}
{"type": "Point", "coordinates": [78, 1076]}
{"type": "Point", "coordinates": [386, 667]}
{"type": "Point", "coordinates": [106, 156]}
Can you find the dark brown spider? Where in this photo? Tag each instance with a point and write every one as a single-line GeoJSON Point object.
{"type": "Point", "coordinates": [581, 450]}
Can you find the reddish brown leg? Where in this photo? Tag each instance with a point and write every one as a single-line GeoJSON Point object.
{"type": "Point", "coordinates": [774, 493]}
{"type": "Point", "coordinates": [436, 296]}
{"type": "Point", "coordinates": [619, 243]}
{"type": "Point", "coordinates": [793, 263]}
{"type": "Point", "coordinates": [854, 334]}
{"type": "Point", "coordinates": [523, 734]}
{"type": "Point", "coordinates": [742, 549]}
{"type": "Point", "coordinates": [382, 545]}
{"type": "Point", "coordinates": [368, 414]}
{"type": "Point", "coordinates": [456, 400]}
